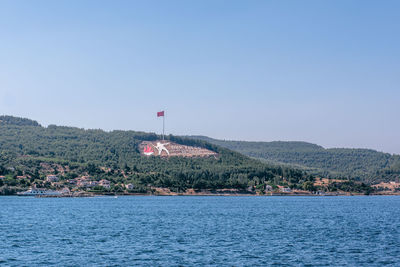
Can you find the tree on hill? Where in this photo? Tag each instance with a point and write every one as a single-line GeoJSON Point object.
{"type": "Point", "coordinates": [10, 120]}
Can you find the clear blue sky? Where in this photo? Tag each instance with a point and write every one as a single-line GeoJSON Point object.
{"type": "Point", "coordinates": [326, 72]}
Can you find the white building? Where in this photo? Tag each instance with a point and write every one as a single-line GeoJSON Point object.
{"type": "Point", "coordinates": [86, 182]}
{"type": "Point", "coordinates": [105, 183]}
{"type": "Point", "coordinates": [285, 189]}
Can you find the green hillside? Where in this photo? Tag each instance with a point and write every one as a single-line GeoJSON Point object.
{"type": "Point", "coordinates": [360, 164]}
{"type": "Point", "coordinates": [27, 148]}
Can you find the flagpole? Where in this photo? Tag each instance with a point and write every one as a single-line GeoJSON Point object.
{"type": "Point", "coordinates": [163, 127]}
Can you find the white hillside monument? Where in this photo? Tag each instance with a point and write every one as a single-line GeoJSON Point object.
{"type": "Point", "coordinates": [161, 147]}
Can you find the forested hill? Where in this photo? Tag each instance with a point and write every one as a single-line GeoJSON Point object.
{"type": "Point", "coordinates": [362, 164]}
{"type": "Point", "coordinates": [29, 150]}
{"type": "Point", "coordinates": [10, 120]}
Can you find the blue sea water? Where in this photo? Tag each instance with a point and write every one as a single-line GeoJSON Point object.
{"type": "Point", "coordinates": [200, 231]}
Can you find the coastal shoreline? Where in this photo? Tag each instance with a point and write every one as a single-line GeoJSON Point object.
{"type": "Point", "coordinates": [214, 194]}
{"type": "Point", "coordinates": [160, 191]}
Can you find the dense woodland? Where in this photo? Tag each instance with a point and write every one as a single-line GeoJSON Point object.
{"type": "Point", "coordinates": [364, 165]}
{"type": "Point", "coordinates": [27, 148]}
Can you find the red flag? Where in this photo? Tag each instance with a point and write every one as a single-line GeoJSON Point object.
{"type": "Point", "coordinates": [160, 114]}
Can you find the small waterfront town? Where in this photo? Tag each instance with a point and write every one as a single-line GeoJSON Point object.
{"type": "Point", "coordinates": [88, 186]}
{"type": "Point", "coordinates": [79, 186]}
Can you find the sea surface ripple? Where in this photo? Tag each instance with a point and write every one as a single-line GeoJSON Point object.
{"type": "Point", "coordinates": [200, 231]}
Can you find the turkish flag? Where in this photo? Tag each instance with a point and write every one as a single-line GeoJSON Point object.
{"type": "Point", "coordinates": [160, 114]}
